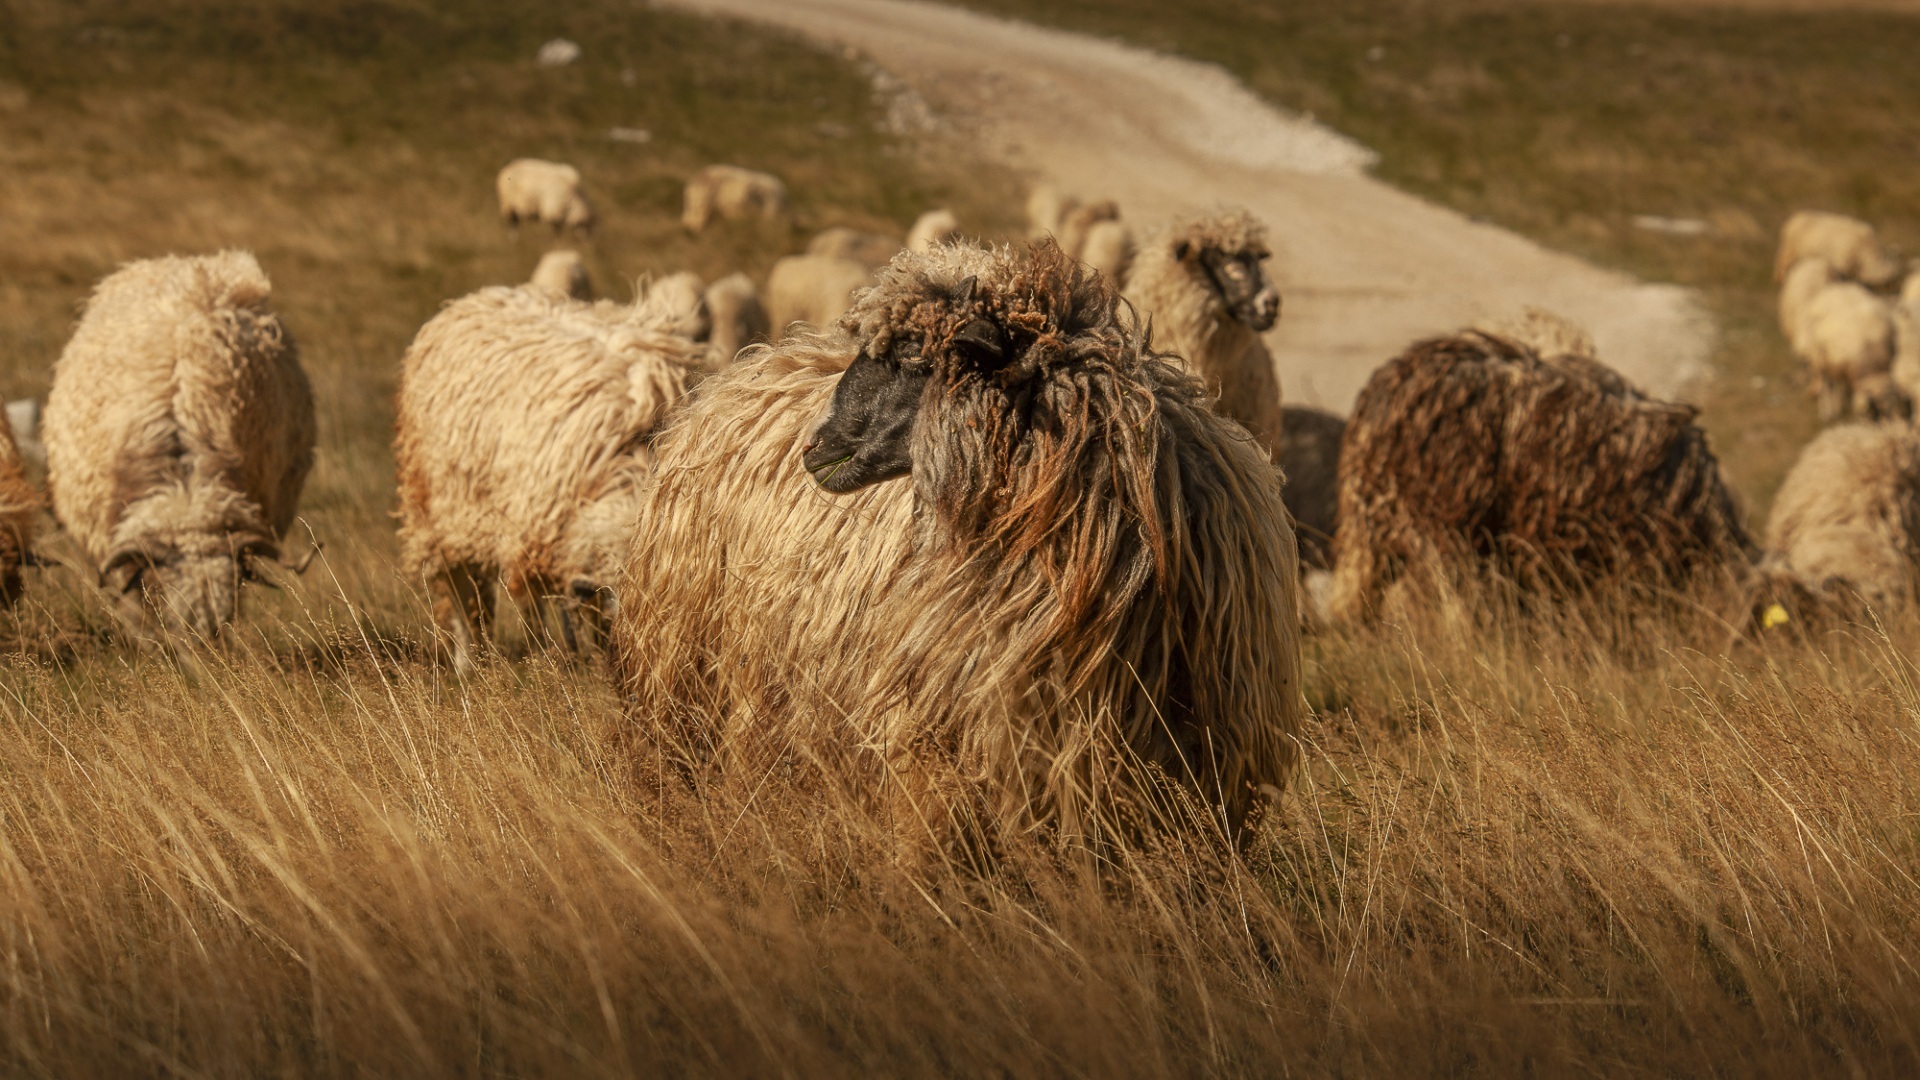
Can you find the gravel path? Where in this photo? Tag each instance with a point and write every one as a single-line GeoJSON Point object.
{"type": "Point", "coordinates": [1365, 269]}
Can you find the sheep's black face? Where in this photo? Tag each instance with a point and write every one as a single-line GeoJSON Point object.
{"type": "Point", "coordinates": [1243, 286]}
{"type": "Point", "coordinates": [865, 437]}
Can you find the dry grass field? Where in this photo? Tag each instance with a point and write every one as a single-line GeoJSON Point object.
{"type": "Point", "coordinates": [1522, 843]}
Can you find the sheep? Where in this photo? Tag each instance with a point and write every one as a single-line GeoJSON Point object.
{"type": "Point", "coordinates": [1472, 451]}
{"type": "Point", "coordinates": [682, 299]}
{"type": "Point", "coordinates": [1546, 333]}
{"type": "Point", "coordinates": [930, 228]}
{"type": "Point", "coordinates": [1905, 370]}
{"type": "Point", "coordinates": [730, 192]}
{"type": "Point", "coordinates": [1845, 334]}
{"type": "Point", "coordinates": [1046, 208]}
{"type": "Point", "coordinates": [1848, 244]}
{"type": "Point", "coordinates": [19, 515]}
{"type": "Point", "coordinates": [1083, 570]}
{"type": "Point", "coordinates": [738, 317]}
{"type": "Point", "coordinates": [23, 419]}
{"type": "Point", "coordinates": [1910, 289]}
{"type": "Point", "coordinates": [814, 289]}
{"type": "Point", "coordinates": [1201, 282]}
{"type": "Point", "coordinates": [562, 273]}
{"type": "Point", "coordinates": [840, 242]}
{"type": "Point", "coordinates": [1109, 249]}
{"type": "Point", "coordinates": [179, 433]}
{"type": "Point", "coordinates": [1077, 223]}
{"type": "Point", "coordinates": [1845, 523]}
{"type": "Point", "coordinates": [534, 190]}
{"type": "Point", "coordinates": [521, 439]}
{"type": "Point", "coordinates": [1309, 454]}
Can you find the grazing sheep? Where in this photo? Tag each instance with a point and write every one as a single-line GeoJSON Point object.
{"type": "Point", "coordinates": [521, 439]}
{"type": "Point", "coordinates": [1109, 249]}
{"type": "Point", "coordinates": [562, 273]}
{"type": "Point", "coordinates": [1845, 335]}
{"type": "Point", "coordinates": [1081, 570]}
{"type": "Point", "coordinates": [1472, 450]}
{"type": "Point", "coordinates": [1847, 518]}
{"type": "Point", "coordinates": [870, 249]}
{"type": "Point", "coordinates": [535, 190]}
{"type": "Point", "coordinates": [931, 228]}
{"type": "Point", "coordinates": [814, 289]}
{"type": "Point", "coordinates": [730, 192]}
{"type": "Point", "coordinates": [1310, 456]}
{"type": "Point", "coordinates": [179, 432]}
{"type": "Point", "coordinates": [1201, 283]}
{"type": "Point", "coordinates": [738, 317]}
{"type": "Point", "coordinates": [1848, 244]}
{"type": "Point", "coordinates": [19, 513]}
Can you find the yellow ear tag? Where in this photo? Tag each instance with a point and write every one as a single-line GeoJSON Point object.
{"type": "Point", "coordinates": [1775, 615]}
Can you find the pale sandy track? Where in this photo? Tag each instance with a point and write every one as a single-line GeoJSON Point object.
{"type": "Point", "coordinates": [1365, 268]}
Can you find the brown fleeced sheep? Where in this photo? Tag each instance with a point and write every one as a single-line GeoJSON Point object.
{"type": "Point", "coordinates": [1310, 456]}
{"type": "Point", "coordinates": [1473, 452]}
{"type": "Point", "coordinates": [731, 193]}
{"type": "Point", "coordinates": [19, 515]}
{"type": "Point", "coordinates": [1201, 285]}
{"type": "Point", "coordinates": [179, 432]}
{"type": "Point", "coordinates": [738, 317]}
{"type": "Point", "coordinates": [813, 289]}
{"type": "Point", "coordinates": [521, 440]}
{"type": "Point", "coordinates": [981, 554]}
{"type": "Point", "coordinates": [1847, 518]}
{"type": "Point", "coordinates": [530, 189]}
{"type": "Point", "coordinates": [868, 248]}
{"type": "Point", "coordinates": [1849, 245]}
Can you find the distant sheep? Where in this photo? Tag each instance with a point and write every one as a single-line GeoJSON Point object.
{"type": "Point", "coordinates": [1201, 284]}
{"type": "Point", "coordinates": [1109, 249]}
{"type": "Point", "coordinates": [1473, 452]}
{"type": "Point", "coordinates": [1905, 371]}
{"type": "Point", "coordinates": [19, 517]}
{"type": "Point", "coordinates": [681, 299]}
{"type": "Point", "coordinates": [932, 228]}
{"type": "Point", "coordinates": [535, 190]}
{"type": "Point", "coordinates": [730, 193]}
{"type": "Point", "coordinates": [1078, 223]}
{"type": "Point", "coordinates": [840, 242]}
{"type": "Point", "coordinates": [1310, 456]}
{"type": "Point", "coordinates": [179, 432]}
{"type": "Point", "coordinates": [1847, 518]}
{"type": "Point", "coordinates": [1849, 245]}
{"type": "Point", "coordinates": [563, 273]}
{"type": "Point", "coordinates": [1910, 289]}
{"type": "Point", "coordinates": [1845, 335]}
{"type": "Point", "coordinates": [814, 289]}
{"type": "Point", "coordinates": [23, 419]}
{"type": "Point", "coordinates": [983, 547]}
{"type": "Point", "coordinates": [521, 440]}
{"type": "Point", "coordinates": [1046, 208]}
{"type": "Point", "coordinates": [738, 317]}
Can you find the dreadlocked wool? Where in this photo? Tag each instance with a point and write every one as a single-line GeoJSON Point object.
{"type": "Point", "coordinates": [19, 509]}
{"type": "Point", "coordinates": [1474, 451]}
{"type": "Point", "coordinates": [1087, 581]}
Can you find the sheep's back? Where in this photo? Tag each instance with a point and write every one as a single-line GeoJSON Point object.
{"type": "Point", "coordinates": [1849, 511]}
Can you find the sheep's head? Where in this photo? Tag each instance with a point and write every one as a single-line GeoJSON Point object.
{"type": "Point", "coordinates": [174, 593]}
{"type": "Point", "coordinates": [1226, 254]}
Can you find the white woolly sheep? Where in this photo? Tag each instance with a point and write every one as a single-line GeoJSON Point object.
{"type": "Point", "coordinates": [1847, 244]}
{"type": "Point", "coordinates": [814, 289]}
{"type": "Point", "coordinates": [563, 273]}
{"type": "Point", "coordinates": [1847, 517]}
{"type": "Point", "coordinates": [1109, 248]}
{"type": "Point", "coordinates": [841, 242]}
{"type": "Point", "coordinates": [1201, 283]}
{"type": "Point", "coordinates": [179, 432]}
{"type": "Point", "coordinates": [738, 317]}
{"type": "Point", "coordinates": [1905, 371]}
{"type": "Point", "coordinates": [682, 298]}
{"type": "Point", "coordinates": [1046, 208]}
{"type": "Point", "coordinates": [1910, 289]}
{"type": "Point", "coordinates": [535, 487]}
{"type": "Point", "coordinates": [1076, 224]}
{"type": "Point", "coordinates": [1845, 335]}
{"type": "Point", "coordinates": [1081, 585]}
{"type": "Point", "coordinates": [730, 192]}
{"type": "Point", "coordinates": [19, 516]}
{"type": "Point", "coordinates": [534, 190]}
{"type": "Point", "coordinates": [931, 228]}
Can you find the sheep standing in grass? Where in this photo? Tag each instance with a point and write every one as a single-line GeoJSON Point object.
{"type": "Point", "coordinates": [521, 440]}
{"type": "Point", "coordinates": [1847, 518]}
{"type": "Point", "coordinates": [1309, 454]}
{"type": "Point", "coordinates": [19, 513]}
{"type": "Point", "coordinates": [732, 193]}
{"type": "Point", "coordinates": [1473, 451]}
{"type": "Point", "coordinates": [738, 317]}
{"type": "Point", "coordinates": [1201, 284]}
{"type": "Point", "coordinates": [1845, 335]}
{"type": "Point", "coordinates": [562, 273]}
{"type": "Point", "coordinates": [1018, 569]}
{"type": "Point", "coordinates": [1849, 245]}
{"type": "Point", "coordinates": [931, 228]}
{"type": "Point", "coordinates": [179, 432]}
{"type": "Point", "coordinates": [813, 289]}
{"type": "Point", "coordinates": [535, 190]}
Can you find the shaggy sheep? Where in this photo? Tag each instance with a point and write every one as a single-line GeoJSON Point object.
{"type": "Point", "coordinates": [536, 487]}
{"type": "Point", "coordinates": [931, 228]}
{"type": "Point", "coordinates": [1082, 579]}
{"type": "Point", "coordinates": [562, 273]}
{"type": "Point", "coordinates": [1849, 245]}
{"type": "Point", "coordinates": [1546, 333]}
{"type": "Point", "coordinates": [730, 192]}
{"type": "Point", "coordinates": [815, 289]}
{"type": "Point", "coordinates": [681, 299]}
{"type": "Point", "coordinates": [870, 249]}
{"type": "Point", "coordinates": [535, 190]}
{"type": "Point", "coordinates": [1310, 457]}
{"type": "Point", "coordinates": [738, 318]}
{"type": "Point", "coordinates": [179, 432]}
{"type": "Point", "coordinates": [19, 513]}
{"type": "Point", "coordinates": [1109, 249]}
{"type": "Point", "coordinates": [1472, 450]}
{"type": "Point", "coordinates": [1201, 283]}
{"type": "Point", "coordinates": [1845, 334]}
{"type": "Point", "coordinates": [1847, 518]}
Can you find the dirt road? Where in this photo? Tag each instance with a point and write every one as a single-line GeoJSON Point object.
{"type": "Point", "coordinates": [1365, 269]}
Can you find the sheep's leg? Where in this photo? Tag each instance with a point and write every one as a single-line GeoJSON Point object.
{"type": "Point", "coordinates": [464, 606]}
{"type": "Point", "coordinates": [566, 629]}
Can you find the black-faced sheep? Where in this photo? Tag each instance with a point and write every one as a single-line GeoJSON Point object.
{"type": "Point", "coordinates": [534, 190]}
{"type": "Point", "coordinates": [562, 273]}
{"type": "Point", "coordinates": [1201, 284]}
{"type": "Point", "coordinates": [1846, 521]}
{"type": "Point", "coordinates": [521, 440]}
{"type": "Point", "coordinates": [1849, 245]}
{"type": "Point", "coordinates": [730, 193]}
{"type": "Point", "coordinates": [19, 514]}
{"type": "Point", "coordinates": [813, 289]}
{"type": "Point", "coordinates": [179, 432]}
{"type": "Point", "coordinates": [1017, 568]}
{"type": "Point", "coordinates": [1472, 451]}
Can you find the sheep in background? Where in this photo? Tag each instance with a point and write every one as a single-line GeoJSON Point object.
{"type": "Point", "coordinates": [1847, 244]}
{"type": "Point", "coordinates": [840, 242]}
{"type": "Point", "coordinates": [1847, 518]}
{"type": "Point", "coordinates": [1845, 335]}
{"type": "Point", "coordinates": [521, 441]}
{"type": "Point", "coordinates": [814, 289]}
{"type": "Point", "coordinates": [1109, 248]}
{"type": "Point", "coordinates": [23, 420]}
{"type": "Point", "coordinates": [562, 273]}
{"type": "Point", "coordinates": [1473, 452]}
{"type": "Point", "coordinates": [738, 317]}
{"type": "Point", "coordinates": [1910, 289]}
{"type": "Point", "coordinates": [1079, 222]}
{"type": "Point", "coordinates": [1046, 209]}
{"type": "Point", "coordinates": [682, 299]}
{"type": "Point", "coordinates": [730, 193]}
{"type": "Point", "coordinates": [1081, 569]}
{"type": "Point", "coordinates": [931, 228]}
{"type": "Point", "coordinates": [19, 517]}
{"type": "Point", "coordinates": [179, 432]}
{"type": "Point", "coordinates": [1309, 455]}
{"type": "Point", "coordinates": [1201, 284]}
{"type": "Point", "coordinates": [534, 190]}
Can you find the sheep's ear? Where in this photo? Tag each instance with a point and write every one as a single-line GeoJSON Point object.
{"type": "Point", "coordinates": [963, 292]}
{"type": "Point", "coordinates": [982, 343]}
